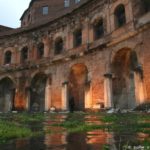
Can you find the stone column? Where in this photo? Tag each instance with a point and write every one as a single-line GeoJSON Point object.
{"type": "Point", "coordinates": [47, 96]}
{"type": "Point", "coordinates": [46, 50]}
{"type": "Point", "coordinates": [108, 90]}
{"type": "Point", "coordinates": [139, 87]}
{"type": "Point", "coordinates": [46, 46]}
{"type": "Point", "coordinates": [88, 97]}
{"type": "Point", "coordinates": [65, 96]}
{"type": "Point", "coordinates": [28, 92]}
{"type": "Point", "coordinates": [13, 58]}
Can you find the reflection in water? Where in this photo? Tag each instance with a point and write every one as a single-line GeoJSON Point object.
{"type": "Point", "coordinates": [61, 140]}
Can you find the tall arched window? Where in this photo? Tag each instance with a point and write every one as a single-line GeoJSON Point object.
{"type": "Point", "coordinates": [40, 50]}
{"type": "Point", "coordinates": [77, 37]}
{"type": "Point", "coordinates": [58, 46]}
{"type": "Point", "coordinates": [24, 54]}
{"type": "Point", "coordinates": [120, 16]}
{"type": "Point", "coordinates": [98, 29]}
{"type": "Point", "coordinates": [7, 57]}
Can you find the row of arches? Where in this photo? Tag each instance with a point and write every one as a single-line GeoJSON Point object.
{"type": "Point", "coordinates": [124, 85]}
{"type": "Point", "coordinates": [24, 54]}
{"type": "Point", "coordinates": [98, 32]}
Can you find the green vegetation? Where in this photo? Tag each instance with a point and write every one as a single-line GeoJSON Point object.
{"type": "Point", "coordinates": [9, 130]}
{"type": "Point", "coordinates": [20, 125]}
{"type": "Point", "coordinates": [17, 125]}
{"type": "Point", "coordinates": [110, 122]}
{"type": "Point", "coordinates": [131, 122]}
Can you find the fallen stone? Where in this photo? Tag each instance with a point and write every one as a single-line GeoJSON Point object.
{"type": "Point", "coordinates": [111, 111]}
{"type": "Point", "coordinates": [14, 112]}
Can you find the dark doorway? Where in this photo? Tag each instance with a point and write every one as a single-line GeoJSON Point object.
{"type": "Point", "coordinates": [7, 93]}
{"type": "Point", "coordinates": [77, 81]}
{"type": "Point", "coordinates": [123, 67]}
{"type": "Point", "coordinates": [37, 97]}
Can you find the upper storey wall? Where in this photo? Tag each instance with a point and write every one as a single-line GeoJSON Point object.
{"type": "Point", "coordinates": [4, 28]}
{"type": "Point", "coordinates": [41, 10]}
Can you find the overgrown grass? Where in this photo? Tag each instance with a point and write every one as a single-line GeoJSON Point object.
{"type": "Point", "coordinates": [110, 122]}
{"type": "Point", "coordinates": [9, 130]}
{"type": "Point", "coordinates": [127, 122]}
{"type": "Point", "coordinates": [24, 117]}
{"type": "Point", "coordinates": [17, 125]}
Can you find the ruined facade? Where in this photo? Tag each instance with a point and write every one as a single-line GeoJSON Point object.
{"type": "Point", "coordinates": [96, 51]}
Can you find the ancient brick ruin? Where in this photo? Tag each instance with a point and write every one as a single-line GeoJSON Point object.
{"type": "Point", "coordinates": [96, 51]}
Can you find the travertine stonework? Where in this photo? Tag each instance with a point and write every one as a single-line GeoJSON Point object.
{"type": "Point", "coordinates": [43, 65]}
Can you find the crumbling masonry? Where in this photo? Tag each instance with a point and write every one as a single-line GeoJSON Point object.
{"type": "Point", "coordinates": [97, 51]}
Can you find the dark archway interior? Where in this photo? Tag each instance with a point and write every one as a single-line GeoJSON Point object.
{"type": "Point", "coordinates": [77, 37]}
{"type": "Point", "coordinates": [40, 50]}
{"type": "Point", "coordinates": [37, 97]}
{"type": "Point", "coordinates": [59, 46]}
{"type": "Point", "coordinates": [7, 93]}
{"type": "Point", "coordinates": [124, 63]}
{"type": "Point", "coordinates": [7, 58]}
{"type": "Point", "coordinates": [24, 54]}
{"type": "Point", "coordinates": [77, 80]}
{"type": "Point", "coordinates": [120, 16]}
{"type": "Point", "coordinates": [98, 29]}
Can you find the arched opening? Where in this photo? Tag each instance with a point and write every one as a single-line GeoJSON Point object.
{"type": "Point", "coordinates": [7, 57]}
{"type": "Point", "coordinates": [77, 82]}
{"type": "Point", "coordinates": [77, 37]}
{"type": "Point", "coordinates": [120, 16]}
{"type": "Point", "coordinates": [24, 54]}
{"type": "Point", "coordinates": [7, 94]}
{"type": "Point", "coordinates": [98, 29]}
{"type": "Point", "coordinates": [123, 84]}
{"type": "Point", "coordinates": [40, 50]}
{"type": "Point", "coordinates": [58, 46]}
{"type": "Point", "coordinates": [37, 95]}
{"type": "Point", "coordinates": [145, 5]}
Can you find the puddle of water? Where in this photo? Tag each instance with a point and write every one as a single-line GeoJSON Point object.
{"type": "Point", "coordinates": [61, 140]}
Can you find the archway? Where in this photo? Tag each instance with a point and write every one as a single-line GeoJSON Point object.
{"type": "Point", "coordinates": [123, 84]}
{"type": "Point", "coordinates": [37, 95]}
{"type": "Point", "coordinates": [7, 93]}
{"type": "Point", "coordinates": [77, 82]}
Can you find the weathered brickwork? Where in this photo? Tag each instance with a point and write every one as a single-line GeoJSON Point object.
{"type": "Point", "coordinates": [96, 51]}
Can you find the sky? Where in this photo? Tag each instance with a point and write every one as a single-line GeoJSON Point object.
{"type": "Point", "coordinates": [11, 12]}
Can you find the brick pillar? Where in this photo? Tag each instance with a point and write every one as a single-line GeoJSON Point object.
{"type": "Point", "coordinates": [65, 96]}
{"type": "Point", "coordinates": [48, 95]}
{"type": "Point", "coordinates": [108, 90]}
{"type": "Point", "coordinates": [88, 96]}
{"type": "Point", "coordinates": [46, 47]}
{"type": "Point", "coordinates": [28, 91]}
{"type": "Point", "coordinates": [139, 87]}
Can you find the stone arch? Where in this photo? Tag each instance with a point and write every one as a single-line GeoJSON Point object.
{"type": "Point", "coordinates": [123, 66]}
{"type": "Point", "coordinates": [10, 77]}
{"type": "Point", "coordinates": [7, 94]}
{"type": "Point", "coordinates": [37, 92]}
{"type": "Point", "coordinates": [58, 34]}
{"type": "Point", "coordinates": [78, 78]}
{"type": "Point", "coordinates": [97, 17]}
{"type": "Point", "coordinates": [8, 49]}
